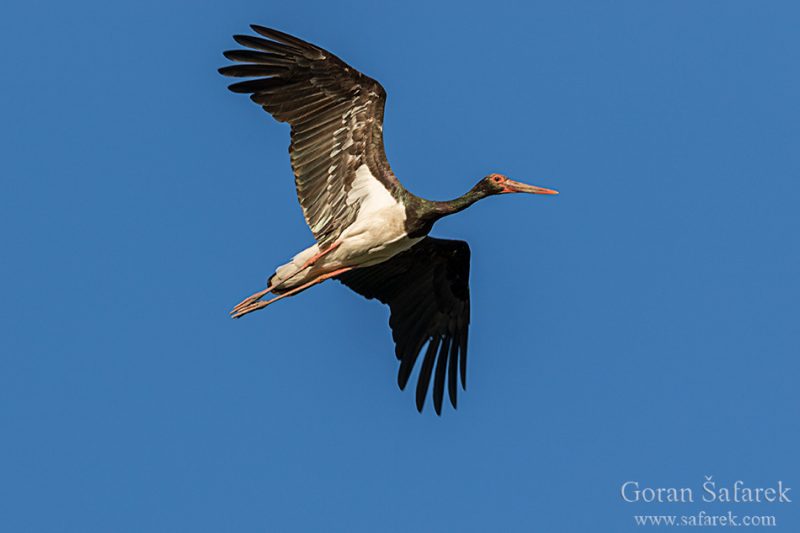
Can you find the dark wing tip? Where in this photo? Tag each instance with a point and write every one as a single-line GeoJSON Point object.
{"type": "Point", "coordinates": [242, 39]}
{"type": "Point", "coordinates": [440, 374]}
{"type": "Point", "coordinates": [452, 375]}
{"type": "Point", "coordinates": [282, 37]}
{"type": "Point", "coordinates": [228, 71]}
{"type": "Point", "coordinates": [281, 43]}
{"type": "Point", "coordinates": [424, 378]}
{"type": "Point", "coordinates": [251, 71]}
{"type": "Point", "coordinates": [242, 87]}
{"type": "Point", "coordinates": [401, 381]}
{"type": "Point", "coordinates": [231, 54]}
{"type": "Point", "coordinates": [463, 363]}
{"type": "Point", "coordinates": [274, 34]}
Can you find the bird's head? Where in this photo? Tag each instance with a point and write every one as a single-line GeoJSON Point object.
{"type": "Point", "coordinates": [499, 184]}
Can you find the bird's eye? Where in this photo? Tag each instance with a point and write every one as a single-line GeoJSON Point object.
{"type": "Point", "coordinates": [497, 179]}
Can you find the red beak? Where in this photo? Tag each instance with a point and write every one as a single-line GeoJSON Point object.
{"type": "Point", "coordinates": [515, 186]}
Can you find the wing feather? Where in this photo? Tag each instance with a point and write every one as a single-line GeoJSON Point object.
{"type": "Point", "coordinates": [427, 290]}
{"type": "Point", "coordinates": [336, 116]}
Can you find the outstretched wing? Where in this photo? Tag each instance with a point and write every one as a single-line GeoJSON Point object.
{"type": "Point", "coordinates": [336, 115]}
{"type": "Point", "coordinates": [427, 290]}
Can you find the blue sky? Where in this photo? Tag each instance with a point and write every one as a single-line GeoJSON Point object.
{"type": "Point", "coordinates": [640, 326]}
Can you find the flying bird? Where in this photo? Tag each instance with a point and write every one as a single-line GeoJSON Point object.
{"type": "Point", "coordinates": [371, 233]}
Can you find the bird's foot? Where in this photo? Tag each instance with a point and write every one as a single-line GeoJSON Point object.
{"type": "Point", "coordinates": [254, 305]}
{"type": "Point", "coordinates": [253, 298]}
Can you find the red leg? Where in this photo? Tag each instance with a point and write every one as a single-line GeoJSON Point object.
{"type": "Point", "coordinates": [320, 255]}
{"type": "Point", "coordinates": [255, 306]}
{"type": "Point", "coordinates": [257, 296]}
{"type": "Point", "coordinates": [253, 298]}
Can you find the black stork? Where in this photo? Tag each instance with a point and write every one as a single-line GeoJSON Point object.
{"type": "Point", "coordinates": [371, 233]}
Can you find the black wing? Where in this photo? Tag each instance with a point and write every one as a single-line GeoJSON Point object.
{"type": "Point", "coordinates": [336, 114]}
{"type": "Point", "coordinates": [427, 290]}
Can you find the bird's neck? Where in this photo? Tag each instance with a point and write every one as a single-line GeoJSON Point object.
{"type": "Point", "coordinates": [442, 209]}
{"type": "Point", "coordinates": [423, 214]}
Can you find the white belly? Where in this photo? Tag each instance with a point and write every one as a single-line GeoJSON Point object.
{"type": "Point", "coordinates": [377, 234]}
{"type": "Point", "coordinates": [373, 238]}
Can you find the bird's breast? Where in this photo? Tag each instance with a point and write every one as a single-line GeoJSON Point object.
{"type": "Point", "coordinates": [374, 237]}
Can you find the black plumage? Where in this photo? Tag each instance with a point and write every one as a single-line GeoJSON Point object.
{"type": "Point", "coordinates": [427, 290]}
